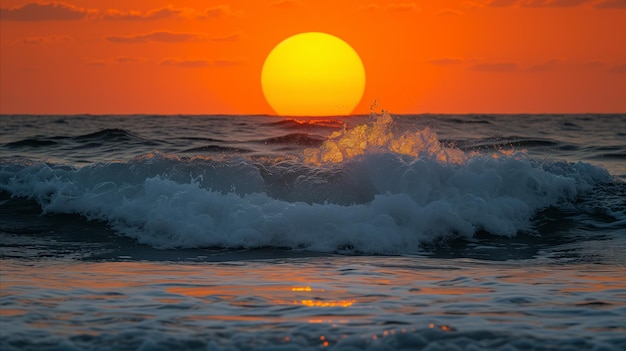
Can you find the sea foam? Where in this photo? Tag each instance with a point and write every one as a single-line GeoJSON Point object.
{"type": "Point", "coordinates": [363, 190]}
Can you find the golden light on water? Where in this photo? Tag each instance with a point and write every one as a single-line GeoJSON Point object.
{"type": "Point", "coordinates": [231, 294]}
{"type": "Point", "coordinates": [377, 136]}
{"type": "Point", "coordinates": [331, 303]}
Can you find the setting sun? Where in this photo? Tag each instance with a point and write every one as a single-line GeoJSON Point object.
{"type": "Point", "coordinates": [314, 74]}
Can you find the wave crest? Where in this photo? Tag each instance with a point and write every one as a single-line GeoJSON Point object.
{"type": "Point", "coordinates": [377, 136]}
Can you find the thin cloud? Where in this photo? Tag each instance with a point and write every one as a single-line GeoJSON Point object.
{"type": "Point", "coordinates": [597, 4]}
{"type": "Point", "coordinates": [286, 4]}
{"type": "Point", "coordinates": [35, 11]}
{"type": "Point", "coordinates": [47, 39]}
{"type": "Point", "coordinates": [402, 7]}
{"type": "Point", "coordinates": [158, 36]}
{"type": "Point", "coordinates": [547, 66]}
{"type": "Point", "coordinates": [218, 11]}
{"type": "Point", "coordinates": [502, 3]}
{"type": "Point", "coordinates": [448, 12]}
{"type": "Point", "coordinates": [594, 64]}
{"type": "Point", "coordinates": [496, 67]}
{"type": "Point", "coordinates": [471, 5]}
{"type": "Point", "coordinates": [118, 60]}
{"type": "Point", "coordinates": [122, 60]}
{"type": "Point", "coordinates": [230, 37]}
{"type": "Point", "coordinates": [621, 69]}
{"type": "Point", "coordinates": [229, 62]}
{"type": "Point", "coordinates": [446, 61]}
{"type": "Point", "coordinates": [611, 4]}
{"type": "Point", "coordinates": [169, 12]}
{"type": "Point", "coordinates": [186, 63]}
{"type": "Point", "coordinates": [152, 15]}
{"type": "Point", "coordinates": [60, 11]}
{"type": "Point", "coordinates": [200, 63]}
{"type": "Point", "coordinates": [96, 63]}
{"type": "Point", "coordinates": [554, 3]}
{"type": "Point", "coordinates": [393, 7]}
{"type": "Point", "coordinates": [369, 7]}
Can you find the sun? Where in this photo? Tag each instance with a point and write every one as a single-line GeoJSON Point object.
{"type": "Point", "coordinates": [313, 74]}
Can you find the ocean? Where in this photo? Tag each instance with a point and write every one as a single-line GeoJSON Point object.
{"type": "Point", "coordinates": [380, 232]}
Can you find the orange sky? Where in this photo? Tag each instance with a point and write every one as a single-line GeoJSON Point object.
{"type": "Point", "coordinates": [205, 57]}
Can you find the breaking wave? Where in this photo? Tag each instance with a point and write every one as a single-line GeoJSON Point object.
{"type": "Point", "coordinates": [365, 189]}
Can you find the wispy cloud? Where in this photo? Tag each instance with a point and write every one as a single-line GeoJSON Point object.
{"type": "Point", "coordinates": [597, 4]}
{"type": "Point", "coordinates": [472, 5]}
{"type": "Point", "coordinates": [229, 62]}
{"type": "Point", "coordinates": [611, 4]}
{"type": "Point", "coordinates": [286, 4]}
{"type": "Point", "coordinates": [448, 12]}
{"type": "Point", "coordinates": [547, 66]}
{"type": "Point", "coordinates": [169, 12]}
{"type": "Point", "coordinates": [200, 63]}
{"type": "Point", "coordinates": [46, 39]}
{"type": "Point", "coordinates": [402, 7]}
{"type": "Point", "coordinates": [218, 11]}
{"type": "Point", "coordinates": [96, 63]}
{"type": "Point", "coordinates": [157, 36]}
{"type": "Point", "coordinates": [369, 7]}
{"type": "Point", "coordinates": [236, 36]}
{"type": "Point", "coordinates": [621, 69]}
{"type": "Point", "coordinates": [554, 3]}
{"type": "Point", "coordinates": [393, 7]}
{"type": "Point", "coordinates": [122, 60]}
{"type": "Point", "coordinates": [446, 61]}
{"type": "Point", "coordinates": [187, 63]}
{"type": "Point", "coordinates": [594, 64]}
{"type": "Point", "coordinates": [61, 11]}
{"type": "Point", "coordinates": [117, 60]}
{"type": "Point", "coordinates": [496, 67]}
{"type": "Point", "coordinates": [152, 15]}
{"type": "Point", "coordinates": [502, 3]}
{"type": "Point", "coordinates": [35, 11]}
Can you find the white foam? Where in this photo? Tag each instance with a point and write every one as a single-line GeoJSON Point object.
{"type": "Point", "coordinates": [373, 203]}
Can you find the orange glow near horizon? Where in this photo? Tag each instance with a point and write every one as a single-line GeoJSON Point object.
{"type": "Point", "coordinates": [199, 57]}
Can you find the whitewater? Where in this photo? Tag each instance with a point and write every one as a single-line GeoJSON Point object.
{"type": "Point", "coordinates": [364, 232]}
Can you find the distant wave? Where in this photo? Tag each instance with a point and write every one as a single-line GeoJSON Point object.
{"type": "Point", "coordinates": [108, 135]}
{"type": "Point", "coordinates": [507, 142]}
{"type": "Point", "coordinates": [295, 139]}
{"type": "Point", "coordinates": [31, 143]}
{"type": "Point", "coordinates": [217, 148]}
{"type": "Point", "coordinates": [212, 140]}
{"type": "Point", "coordinates": [308, 123]}
{"type": "Point", "coordinates": [469, 121]}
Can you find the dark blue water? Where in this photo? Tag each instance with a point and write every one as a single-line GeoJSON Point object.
{"type": "Point", "coordinates": [256, 232]}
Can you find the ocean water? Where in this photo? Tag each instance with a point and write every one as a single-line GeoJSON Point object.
{"type": "Point", "coordinates": [380, 232]}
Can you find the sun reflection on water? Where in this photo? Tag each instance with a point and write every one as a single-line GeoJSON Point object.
{"type": "Point", "coordinates": [312, 303]}
{"type": "Point", "coordinates": [302, 289]}
{"type": "Point", "coordinates": [319, 303]}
